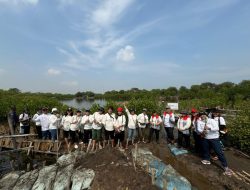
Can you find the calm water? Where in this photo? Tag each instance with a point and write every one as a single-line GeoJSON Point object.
{"type": "Point", "coordinates": [80, 104]}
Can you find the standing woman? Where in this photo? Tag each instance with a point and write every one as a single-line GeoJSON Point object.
{"type": "Point", "coordinates": [155, 126]}
{"type": "Point", "coordinates": [109, 122]}
{"type": "Point", "coordinates": [38, 123]}
{"type": "Point", "coordinates": [142, 123]}
{"type": "Point", "coordinates": [120, 127]}
{"type": "Point", "coordinates": [97, 127]}
{"type": "Point", "coordinates": [44, 120]}
{"type": "Point", "coordinates": [24, 120]}
{"type": "Point", "coordinates": [54, 120]}
{"type": "Point", "coordinates": [168, 122]}
{"type": "Point", "coordinates": [75, 126]}
{"type": "Point", "coordinates": [66, 121]}
{"type": "Point", "coordinates": [196, 134]}
{"type": "Point", "coordinates": [86, 122]}
{"type": "Point", "coordinates": [183, 126]}
{"type": "Point", "coordinates": [132, 124]}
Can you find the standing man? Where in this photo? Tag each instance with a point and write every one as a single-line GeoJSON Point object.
{"type": "Point", "coordinates": [132, 124]}
{"type": "Point", "coordinates": [183, 125]}
{"type": "Point", "coordinates": [12, 119]}
{"type": "Point", "coordinates": [44, 120]}
{"type": "Point", "coordinates": [86, 122]}
{"type": "Point", "coordinates": [109, 122]}
{"type": "Point", "coordinates": [155, 126]}
{"type": "Point", "coordinates": [38, 123]}
{"type": "Point", "coordinates": [120, 127]}
{"type": "Point", "coordinates": [24, 120]}
{"type": "Point", "coordinates": [54, 120]}
{"type": "Point", "coordinates": [97, 127]}
{"type": "Point", "coordinates": [142, 123]}
{"type": "Point", "coordinates": [66, 122]}
{"type": "Point", "coordinates": [75, 126]}
{"type": "Point", "coordinates": [168, 122]}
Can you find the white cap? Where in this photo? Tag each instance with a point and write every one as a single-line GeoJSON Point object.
{"type": "Point", "coordinates": [54, 110]}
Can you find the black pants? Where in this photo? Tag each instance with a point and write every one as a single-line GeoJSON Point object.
{"type": "Point", "coordinates": [119, 136]}
{"type": "Point", "coordinates": [39, 131]}
{"type": "Point", "coordinates": [224, 140]}
{"type": "Point", "coordinates": [197, 143]}
{"type": "Point", "coordinates": [26, 129]}
{"type": "Point", "coordinates": [152, 131]}
{"type": "Point", "coordinates": [186, 138]}
{"type": "Point", "coordinates": [109, 134]}
{"type": "Point", "coordinates": [72, 136]}
{"type": "Point", "coordinates": [87, 135]}
{"type": "Point", "coordinates": [170, 133]}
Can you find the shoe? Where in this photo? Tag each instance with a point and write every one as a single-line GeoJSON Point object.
{"type": "Point", "coordinates": [76, 146]}
{"type": "Point", "coordinates": [215, 158]}
{"type": "Point", "coordinates": [228, 171]}
{"type": "Point", "coordinates": [81, 142]}
{"type": "Point", "coordinates": [206, 162]}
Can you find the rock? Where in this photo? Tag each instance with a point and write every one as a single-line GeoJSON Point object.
{"type": "Point", "coordinates": [66, 159]}
{"type": "Point", "coordinates": [9, 180]}
{"type": "Point", "coordinates": [82, 179]}
{"type": "Point", "coordinates": [63, 177]}
{"type": "Point", "coordinates": [26, 180]}
{"type": "Point", "coordinates": [45, 178]}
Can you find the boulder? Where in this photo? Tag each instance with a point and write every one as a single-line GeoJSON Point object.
{"type": "Point", "coordinates": [9, 180]}
{"type": "Point", "coordinates": [82, 178]}
{"type": "Point", "coordinates": [26, 180]}
{"type": "Point", "coordinates": [63, 177]}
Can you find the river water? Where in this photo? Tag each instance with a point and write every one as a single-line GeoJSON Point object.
{"type": "Point", "coordinates": [82, 103]}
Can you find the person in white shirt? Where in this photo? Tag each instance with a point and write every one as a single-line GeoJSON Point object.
{"type": "Point", "coordinates": [210, 131]}
{"type": "Point", "coordinates": [109, 122]}
{"type": "Point", "coordinates": [44, 120]}
{"type": "Point", "coordinates": [86, 122]}
{"type": "Point", "coordinates": [196, 135]}
{"type": "Point", "coordinates": [120, 127]}
{"type": "Point", "coordinates": [142, 123]}
{"type": "Point", "coordinates": [66, 122]}
{"type": "Point", "coordinates": [132, 125]}
{"type": "Point", "coordinates": [24, 120]}
{"type": "Point", "coordinates": [183, 126]}
{"type": "Point", "coordinates": [74, 127]}
{"type": "Point", "coordinates": [54, 120]}
{"type": "Point", "coordinates": [97, 127]}
{"type": "Point", "coordinates": [38, 124]}
{"type": "Point", "coordinates": [168, 122]}
{"type": "Point", "coordinates": [155, 126]}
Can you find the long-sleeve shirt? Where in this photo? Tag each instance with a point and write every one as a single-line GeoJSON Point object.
{"type": "Point", "coordinates": [97, 120]}
{"type": "Point", "coordinates": [183, 124]}
{"type": "Point", "coordinates": [87, 121]}
{"type": "Point", "coordinates": [66, 121]}
{"type": "Point", "coordinates": [38, 123]}
{"type": "Point", "coordinates": [212, 132]}
{"type": "Point", "coordinates": [120, 122]}
{"type": "Point", "coordinates": [75, 123]}
{"type": "Point", "coordinates": [109, 121]}
{"type": "Point", "coordinates": [132, 119]}
{"type": "Point", "coordinates": [168, 119]}
{"type": "Point", "coordinates": [54, 121]}
{"type": "Point", "coordinates": [44, 120]}
{"type": "Point", "coordinates": [23, 117]}
{"type": "Point", "coordinates": [142, 120]}
{"type": "Point", "coordinates": [156, 122]}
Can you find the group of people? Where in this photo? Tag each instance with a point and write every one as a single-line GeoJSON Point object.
{"type": "Point", "coordinates": [100, 128]}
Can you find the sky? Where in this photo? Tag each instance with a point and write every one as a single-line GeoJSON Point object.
{"type": "Point", "coordinates": [67, 46]}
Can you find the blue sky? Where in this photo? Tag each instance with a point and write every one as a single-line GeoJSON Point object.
{"type": "Point", "coordinates": [77, 45]}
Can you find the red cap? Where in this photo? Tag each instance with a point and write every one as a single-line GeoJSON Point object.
{"type": "Point", "coordinates": [120, 109]}
{"type": "Point", "coordinates": [194, 110]}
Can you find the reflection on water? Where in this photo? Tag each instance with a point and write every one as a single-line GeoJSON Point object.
{"type": "Point", "coordinates": [82, 103]}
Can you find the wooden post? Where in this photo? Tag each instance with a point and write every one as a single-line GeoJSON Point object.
{"type": "Point", "coordinates": [153, 176]}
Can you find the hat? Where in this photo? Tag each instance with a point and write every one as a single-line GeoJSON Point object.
{"type": "Point", "coordinates": [202, 113]}
{"type": "Point", "coordinates": [168, 107]}
{"type": "Point", "coordinates": [183, 112]}
{"type": "Point", "coordinates": [144, 109]}
{"type": "Point", "coordinates": [54, 110]}
{"type": "Point", "coordinates": [193, 110]}
{"type": "Point", "coordinates": [120, 109]}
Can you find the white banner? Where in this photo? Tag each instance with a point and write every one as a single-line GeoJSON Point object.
{"type": "Point", "coordinates": [174, 106]}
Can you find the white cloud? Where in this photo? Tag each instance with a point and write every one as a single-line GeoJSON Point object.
{"type": "Point", "coordinates": [52, 71]}
{"type": "Point", "coordinates": [19, 2]}
{"type": "Point", "coordinates": [70, 83]}
{"type": "Point", "coordinates": [126, 54]}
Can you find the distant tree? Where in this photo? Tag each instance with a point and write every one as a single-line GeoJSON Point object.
{"type": "Point", "coordinates": [14, 90]}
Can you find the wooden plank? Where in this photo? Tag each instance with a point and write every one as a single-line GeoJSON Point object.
{"type": "Point", "coordinates": [11, 136]}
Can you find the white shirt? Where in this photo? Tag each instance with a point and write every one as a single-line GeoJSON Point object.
{"type": "Point", "coordinates": [132, 120]}
{"type": "Point", "coordinates": [97, 120]}
{"type": "Point", "coordinates": [75, 122]}
{"type": "Point", "coordinates": [120, 122]}
{"type": "Point", "coordinates": [183, 124]}
{"type": "Point", "coordinates": [66, 121]}
{"type": "Point", "coordinates": [195, 124]}
{"type": "Point", "coordinates": [23, 117]}
{"type": "Point", "coordinates": [38, 123]}
{"type": "Point", "coordinates": [222, 120]}
{"type": "Point", "coordinates": [44, 119]}
{"type": "Point", "coordinates": [87, 121]}
{"type": "Point", "coordinates": [109, 121]}
{"type": "Point", "coordinates": [142, 120]}
{"type": "Point", "coordinates": [155, 120]}
{"type": "Point", "coordinates": [213, 132]}
{"type": "Point", "coordinates": [54, 121]}
{"type": "Point", "coordinates": [168, 119]}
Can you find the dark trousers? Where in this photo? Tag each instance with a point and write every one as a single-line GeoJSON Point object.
{"type": "Point", "coordinates": [26, 129]}
{"type": "Point", "coordinates": [119, 136]}
{"type": "Point", "coordinates": [81, 135]}
{"type": "Point", "coordinates": [186, 138]}
{"type": "Point", "coordinates": [45, 134]}
{"type": "Point", "coordinates": [170, 133]}
{"type": "Point", "coordinates": [216, 146]}
{"type": "Point", "coordinates": [87, 135]}
{"type": "Point", "coordinates": [152, 131]}
{"type": "Point", "coordinates": [39, 131]}
{"type": "Point", "coordinates": [72, 136]}
{"type": "Point", "coordinates": [197, 143]}
{"type": "Point", "coordinates": [53, 134]}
